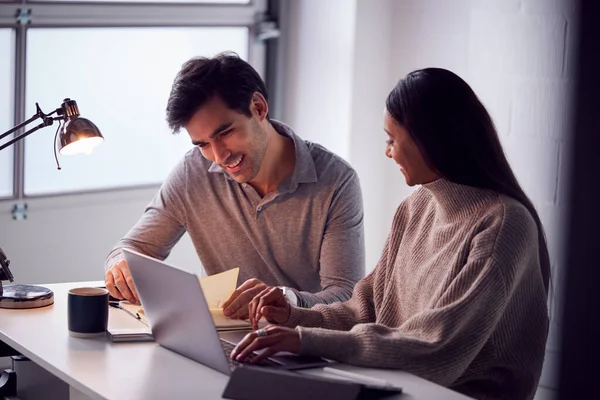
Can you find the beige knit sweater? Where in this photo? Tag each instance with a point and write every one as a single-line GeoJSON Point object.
{"type": "Point", "coordinates": [457, 297]}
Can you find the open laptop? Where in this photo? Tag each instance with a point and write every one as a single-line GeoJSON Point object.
{"type": "Point", "coordinates": [181, 321]}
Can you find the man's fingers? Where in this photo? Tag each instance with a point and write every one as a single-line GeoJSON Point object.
{"type": "Point", "coordinates": [133, 289]}
{"type": "Point", "coordinates": [120, 284]}
{"type": "Point", "coordinates": [120, 279]}
{"type": "Point", "coordinates": [241, 313]}
{"type": "Point", "coordinates": [239, 307]}
{"type": "Point", "coordinates": [109, 281]}
{"type": "Point", "coordinates": [231, 298]}
{"type": "Point", "coordinates": [250, 283]}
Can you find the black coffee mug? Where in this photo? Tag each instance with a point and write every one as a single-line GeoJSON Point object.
{"type": "Point", "coordinates": [88, 312]}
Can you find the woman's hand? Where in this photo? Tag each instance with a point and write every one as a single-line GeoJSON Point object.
{"type": "Point", "coordinates": [271, 338]}
{"type": "Point", "coordinates": [270, 303]}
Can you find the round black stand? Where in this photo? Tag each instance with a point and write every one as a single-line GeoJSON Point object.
{"type": "Point", "coordinates": [25, 296]}
{"type": "Point", "coordinates": [8, 383]}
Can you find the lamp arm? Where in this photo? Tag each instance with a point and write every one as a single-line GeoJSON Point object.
{"type": "Point", "coordinates": [22, 124]}
{"type": "Point", "coordinates": [47, 122]}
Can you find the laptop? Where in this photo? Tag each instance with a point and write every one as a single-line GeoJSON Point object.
{"type": "Point", "coordinates": [181, 321]}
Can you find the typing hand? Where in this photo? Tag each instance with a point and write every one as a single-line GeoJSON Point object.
{"type": "Point", "coordinates": [119, 283]}
{"type": "Point", "coordinates": [272, 338]}
{"type": "Point", "coordinates": [236, 306]}
{"type": "Point", "coordinates": [270, 303]}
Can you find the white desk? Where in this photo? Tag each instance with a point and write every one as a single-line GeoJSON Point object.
{"type": "Point", "coordinates": [100, 369]}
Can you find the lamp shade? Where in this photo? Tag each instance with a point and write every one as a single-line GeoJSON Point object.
{"type": "Point", "coordinates": [80, 135]}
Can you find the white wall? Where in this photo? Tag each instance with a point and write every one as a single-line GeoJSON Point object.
{"type": "Point", "coordinates": [67, 238]}
{"type": "Point", "coordinates": [318, 78]}
{"type": "Point", "coordinates": [371, 83]}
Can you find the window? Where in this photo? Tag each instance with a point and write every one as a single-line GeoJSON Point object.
{"type": "Point", "coordinates": [121, 79]}
{"type": "Point", "coordinates": [117, 59]}
{"type": "Point", "coordinates": [6, 111]}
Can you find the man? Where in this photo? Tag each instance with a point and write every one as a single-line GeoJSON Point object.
{"type": "Point", "coordinates": [251, 194]}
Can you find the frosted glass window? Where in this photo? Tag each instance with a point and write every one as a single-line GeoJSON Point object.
{"type": "Point", "coordinates": [6, 110]}
{"type": "Point", "coordinates": [121, 79]}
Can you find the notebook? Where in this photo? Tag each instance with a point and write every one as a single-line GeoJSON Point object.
{"type": "Point", "coordinates": [124, 327]}
{"type": "Point", "coordinates": [128, 322]}
{"type": "Point", "coordinates": [217, 289]}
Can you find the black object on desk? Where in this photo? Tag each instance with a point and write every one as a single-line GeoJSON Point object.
{"type": "Point", "coordinates": [25, 296]}
{"type": "Point", "coordinates": [87, 312]}
{"type": "Point", "coordinates": [21, 296]}
{"type": "Point", "coordinates": [249, 382]}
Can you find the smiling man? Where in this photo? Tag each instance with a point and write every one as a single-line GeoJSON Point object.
{"type": "Point", "coordinates": [251, 194]}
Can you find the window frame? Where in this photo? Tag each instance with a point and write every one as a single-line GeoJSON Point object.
{"type": "Point", "coordinates": [36, 14]}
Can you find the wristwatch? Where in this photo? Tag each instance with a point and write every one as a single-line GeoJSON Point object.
{"type": "Point", "coordinates": [290, 295]}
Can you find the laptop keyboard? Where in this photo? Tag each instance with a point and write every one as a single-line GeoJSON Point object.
{"type": "Point", "coordinates": [228, 348]}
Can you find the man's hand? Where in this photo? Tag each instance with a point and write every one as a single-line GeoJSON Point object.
{"type": "Point", "coordinates": [272, 338]}
{"type": "Point", "coordinates": [236, 306]}
{"type": "Point", "coordinates": [270, 303]}
{"type": "Point", "coordinates": [119, 282]}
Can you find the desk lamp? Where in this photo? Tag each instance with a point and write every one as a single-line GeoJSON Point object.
{"type": "Point", "coordinates": [78, 135]}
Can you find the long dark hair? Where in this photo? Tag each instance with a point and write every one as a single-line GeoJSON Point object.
{"type": "Point", "coordinates": [456, 134]}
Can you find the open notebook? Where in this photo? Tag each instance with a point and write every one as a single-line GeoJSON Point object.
{"type": "Point", "coordinates": [216, 288]}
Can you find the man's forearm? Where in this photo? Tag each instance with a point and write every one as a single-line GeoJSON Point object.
{"type": "Point", "coordinates": [142, 247]}
{"type": "Point", "coordinates": [113, 258]}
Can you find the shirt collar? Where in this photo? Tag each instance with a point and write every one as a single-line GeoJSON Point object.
{"type": "Point", "coordinates": [304, 170]}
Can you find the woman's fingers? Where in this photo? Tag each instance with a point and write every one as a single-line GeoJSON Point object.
{"type": "Point", "coordinates": [279, 342]}
{"type": "Point", "coordinates": [273, 339]}
{"type": "Point", "coordinates": [253, 306]}
{"type": "Point", "coordinates": [271, 297]}
{"type": "Point", "coordinates": [276, 315]}
{"type": "Point", "coordinates": [248, 345]}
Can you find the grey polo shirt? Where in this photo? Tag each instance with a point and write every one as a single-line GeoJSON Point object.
{"type": "Point", "coordinates": [307, 235]}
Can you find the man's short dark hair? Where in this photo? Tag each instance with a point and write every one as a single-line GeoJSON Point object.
{"type": "Point", "coordinates": [200, 79]}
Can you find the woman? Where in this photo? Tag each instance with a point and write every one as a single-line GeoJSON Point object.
{"type": "Point", "coordinates": [459, 294]}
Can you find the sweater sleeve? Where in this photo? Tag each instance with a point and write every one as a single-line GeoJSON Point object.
{"type": "Point", "coordinates": [162, 224]}
{"type": "Point", "coordinates": [360, 308]}
{"type": "Point", "coordinates": [341, 316]}
{"type": "Point", "coordinates": [440, 342]}
{"type": "Point", "coordinates": [342, 257]}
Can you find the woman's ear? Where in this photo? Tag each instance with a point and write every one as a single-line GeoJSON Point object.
{"type": "Point", "coordinates": [259, 106]}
